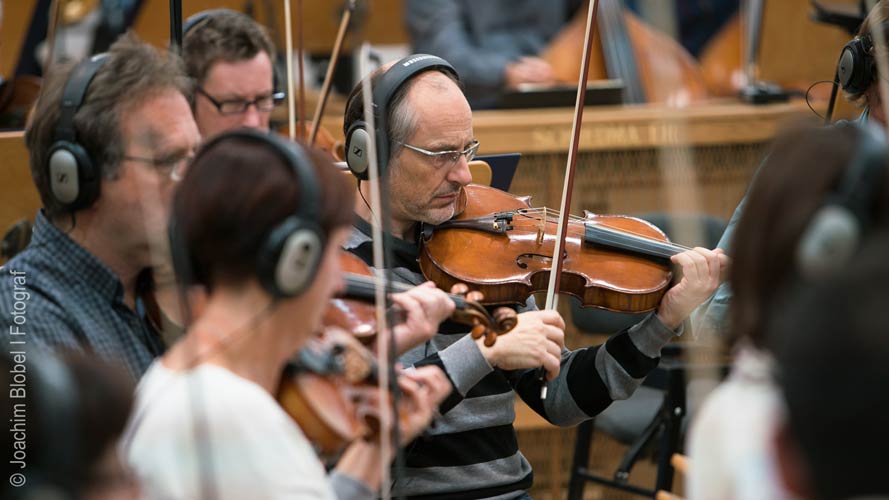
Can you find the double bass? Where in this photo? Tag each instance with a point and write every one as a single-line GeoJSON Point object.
{"type": "Point", "coordinates": [653, 66]}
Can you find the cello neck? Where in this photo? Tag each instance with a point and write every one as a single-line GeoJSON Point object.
{"type": "Point", "coordinates": [602, 235]}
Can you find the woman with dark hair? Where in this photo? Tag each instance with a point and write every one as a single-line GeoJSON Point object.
{"type": "Point", "coordinates": [256, 215]}
{"type": "Point", "coordinates": [731, 440]}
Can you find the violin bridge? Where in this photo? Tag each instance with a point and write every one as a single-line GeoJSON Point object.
{"type": "Point", "coordinates": [541, 228]}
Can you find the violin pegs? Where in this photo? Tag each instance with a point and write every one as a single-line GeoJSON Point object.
{"type": "Point", "coordinates": [490, 338]}
{"type": "Point", "coordinates": [506, 319]}
{"type": "Point", "coordinates": [460, 289]}
{"type": "Point", "coordinates": [475, 296]}
{"type": "Point", "coordinates": [478, 330]}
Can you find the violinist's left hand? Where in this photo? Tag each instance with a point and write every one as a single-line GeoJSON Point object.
{"type": "Point", "coordinates": [423, 389]}
{"type": "Point", "coordinates": [701, 271]}
{"type": "Point", "coordinates": [425, 307]}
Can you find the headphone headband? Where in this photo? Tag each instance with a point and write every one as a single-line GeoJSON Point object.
{"type": "Point", "coordinates": [291, 251]}
{"type": "Point", "coordinates": [74, 179]}
{"type": "Point", "coordinates": [357, 137]}
{"type": "Point", "coordinates": [74, 93]}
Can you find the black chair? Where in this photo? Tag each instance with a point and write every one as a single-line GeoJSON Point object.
{"type": "Point", "coordinates": [656, 409]}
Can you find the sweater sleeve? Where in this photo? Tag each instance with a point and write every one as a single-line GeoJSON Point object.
{"type": "Point", "coordinates": [591, 378]}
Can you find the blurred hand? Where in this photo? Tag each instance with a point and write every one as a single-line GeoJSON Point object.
{"type": "Point", "coordinates": [537, 340]}
{"type": "Point", "coordinates": [423, 389]}
{"type": "Point", "coordinates": [702, 270]}
{"type": "Point", "coordinates": [424, 307]}
{"type": "Point", "coordinates": [528, 70]}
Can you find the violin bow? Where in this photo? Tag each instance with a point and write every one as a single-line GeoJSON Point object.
{"type": "Point", "coordinates": [552, 297]}
{"type": "Point", "coordinates": [294, 115]}
{"type": "Point", "coordinates": [300, 111]}
{"type": "Point", "coordinates": [331, 67]}
{"type": "Point", "coordinates": [176, 25]}
{"type": "Point", "coordinates": [291, 103]}
{"type": "Point", "coordinates": [878, 35]}
{"type": "Point", "coordinates": [55, 11]}
{"type": "Point", "coordinates": [382, 256]}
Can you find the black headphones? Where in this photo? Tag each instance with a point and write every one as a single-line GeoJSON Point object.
{"type": "Point", "coordinates": [833, 232]}
{"type": "Point", "coordinates": [74, 178]}
{"type": "Point", "coordinates": [201, 17]}
{"type": "Point", "coordinates": [291, 252]}
{"type": "Point", "coordinates": [357, 136]}
{"type": "Point", "coordinates": [857, 68]}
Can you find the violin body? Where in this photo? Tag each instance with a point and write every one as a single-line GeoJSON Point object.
{"type": "Point", "coordinates": [329, 391]}
{"type": "Point", "coordinates": [359, 317]}
{"type": "Point", "coordinates": [510, 262]}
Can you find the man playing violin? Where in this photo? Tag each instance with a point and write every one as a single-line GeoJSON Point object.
{"type": "Point", "coordinates": [472, 451]}
{"type": "Point", "coordinates": [104, 161]}
{"type": "Point", "coordinates": [230, 58]}
{"type": "Point", "coordinates": [206, 422]}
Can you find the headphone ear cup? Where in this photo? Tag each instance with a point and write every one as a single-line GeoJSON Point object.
{"type": "Point", "coordinates": [828, 242]}
{"type": "Point", "coordinates": [73, 181]}
{"type": "Point", "coordinates": [291, 256]}
{"type": "Point", "coordinates": [357, 154]}
{"type": "Point", "coordinates": [855, 69]}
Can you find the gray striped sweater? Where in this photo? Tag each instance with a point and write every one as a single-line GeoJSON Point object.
{"type": "Point", "coordinates": [472, 451]}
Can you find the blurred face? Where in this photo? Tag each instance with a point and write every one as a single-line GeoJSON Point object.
{"type": "Point", "coordinates": [227, 86]}
{"type": "Point", "coordinates": [160, 137]}
{"type": "Point", "coordinates": [424, 188]}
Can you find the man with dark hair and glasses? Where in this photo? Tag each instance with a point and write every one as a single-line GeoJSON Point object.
{"type": "Point", "coordinates": [472, 452]}
{"type": "Point", "coordinates": [78, 284]}
{"type": "Point", "coordinates": [230, 58]}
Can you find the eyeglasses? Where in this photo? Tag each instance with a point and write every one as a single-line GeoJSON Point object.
{"type": "Point", "coordinates": [441, 159]}
{"type": "Point", "coordinates": [232, 107]}
{"type": "Point", "coordinates": [173, 166]}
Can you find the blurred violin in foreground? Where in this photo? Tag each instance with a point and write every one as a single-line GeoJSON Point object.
{"type": "Point", "coordinates": [339, 371]}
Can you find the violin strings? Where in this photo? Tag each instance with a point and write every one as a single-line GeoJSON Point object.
{"type": "Point", "coordinates": [530, 212]}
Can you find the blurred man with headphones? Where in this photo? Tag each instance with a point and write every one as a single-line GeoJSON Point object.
{"type": "Point", "coordinates": [230, 58]}
{"type": "Point", "coordinates": [107, 142]}
{"type": "Point", "coordinates": [424, 141]}
{"type": "Point", "coordinates": [858, 77]}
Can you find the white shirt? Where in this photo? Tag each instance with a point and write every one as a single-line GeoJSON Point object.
{"type": "Point", "coordinates": [209, 428]}
{"type": "Point", "coordinates": [730, 446]}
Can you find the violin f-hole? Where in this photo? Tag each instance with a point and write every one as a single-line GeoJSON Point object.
{"type": "Point", "coordinates": [522, 260]}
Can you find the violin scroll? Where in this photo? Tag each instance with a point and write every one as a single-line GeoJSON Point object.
{"type": "Point", "coordinates": [484, 324]}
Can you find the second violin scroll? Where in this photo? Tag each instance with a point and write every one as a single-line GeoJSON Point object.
{"type": "Point", "coordinates": [355, 313]}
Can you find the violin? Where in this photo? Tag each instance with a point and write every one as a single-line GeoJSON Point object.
{"type": "Point", "coordinates": [340, 372]}
{"type": "Point", "coordinates": [330, 391]}
{"type": "Point", "coordinates": [502, 246]}
{"type": "Point", "coordinates": [354, 311]}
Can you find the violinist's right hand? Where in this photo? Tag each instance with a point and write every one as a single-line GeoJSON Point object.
{"type": "Point", "coordinates": [425, 307]}
{"type": "Point", "coordinates": [537, 340]}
